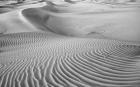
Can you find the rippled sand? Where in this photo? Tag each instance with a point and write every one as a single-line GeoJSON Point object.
{"type": "Point", "coordinates": [43, 48]}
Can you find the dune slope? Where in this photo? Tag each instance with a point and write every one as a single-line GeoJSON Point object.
{"type": "Point", "coordinates": [47, 60]}
{"type": "Point", "coordinates": [104, 21]}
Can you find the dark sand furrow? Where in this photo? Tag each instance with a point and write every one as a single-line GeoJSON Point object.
{"type": "Point", "coordinates": [26, 79]}
{"type": "Point", "coordinates": [78, 75]}
{"type": "Point", "coordinates": [22, 69]}
{"type": "Point", "coordinates": [117, 59]}
{"type": "Point", "coordinates": [31, 77]}
{"type": "Point", "coordinates": [33, 73]}
{"type": "Point", "coordinates": [44, 57]}
{"type": "Point", "coordinates": [17, 83]}
{"type": "Point", "coordinates": [48, 70]}
{"type": "Point", "coordinates": [95, 72]}
{"type": "Point", "coordinates": [97, 64]}
{"type": "Point", "coordinates": [66, 80]}
{"type": "Point", "coordinates": [36, 71]}
{"type": "Point", "coordinates": [110, 51]}
{"type": "Point", "coordinates": [124, 62]}
{"type": "Point", "coordinates": [19, 71]}
{"type": "Point", "coordinates": [101, 59]}
{"type": "Point", "coordinates": [118, 77]}
{"type": "Point", "coordinates": [78, 82]}
{"type": "Point", "coordinates": [44, 65]}
{"type": "Point", "coordinates": [132, 51]}
{"type": "Point", "coordinates": [27, 66]}
{"type": "Point", "coordinates": [107, 63]}
{"type": "Point", "coordinates": [57, 71]}
{"type": "Point", "coordinates": [44, 70]}
{"type": "Point", "coordinates": [22, 81]}
{"type": "Point", "coordinates": [22, 75]}
{"type": "Point", "coordinates": [9, 67]}
{"type": "Point", "coordinates": [36, 83]}
{"type": "Point", "coordinates": [124, 52]}
{"type": "Point", "coordinates": [128, 62]}
{"type": "Point", "coordinates": [85, 67]}
{"type": "Point", "coordinates": [39, 77]}
{"type": "Point", "coordinates": [122, 58]}
{"type": "Point", "coordinates": [108, 59]}
{"type": "Point", "coordinates": [10, 79]}
{"type": "Point", "coordinates": [65, 69]}
{"type": "Point", "coordinates": [57, 80]}
{"type": "Point", "coordinates": [4, 80]}
{"type": "Point", "coordinates": [101, 69]}
{"type": "Point", "coordinates": [85, 79]}
{"type": "Point", "coordinates": [109, 69]}
{"type": "Point", "coordinates": [1, 79]}
{"type": "Point", "coordinates": [120, 50]}
{"type": "Point", "coordinates": [70, 79]}
{"type": "Point", "coordinates": [93, 76]}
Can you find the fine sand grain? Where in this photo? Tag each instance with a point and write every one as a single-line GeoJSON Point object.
{"type": "Point", "coordinates": [43, 48]}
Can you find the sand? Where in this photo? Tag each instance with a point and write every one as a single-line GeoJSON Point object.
{"type": "Point", "coordinates": [43, 48]}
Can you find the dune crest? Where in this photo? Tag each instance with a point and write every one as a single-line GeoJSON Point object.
{"type": "Point", "coordinates": [108, 22]}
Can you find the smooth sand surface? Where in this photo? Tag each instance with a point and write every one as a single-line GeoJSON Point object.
{"type": "Point", "coordinates": [43, 48]}
{"type": "Point", "coordinates": [116, 23]}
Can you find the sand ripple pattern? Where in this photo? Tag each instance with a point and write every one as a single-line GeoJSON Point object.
{"type": "Point", "coordinates": [49, 60]}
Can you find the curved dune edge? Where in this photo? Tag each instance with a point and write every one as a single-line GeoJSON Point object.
{"type": "Point", "coordinates": [44, 59]}
{"type": "Point", "coordinates": [119, 24]}
{"type": "Point", "coordinates": [15, 22]}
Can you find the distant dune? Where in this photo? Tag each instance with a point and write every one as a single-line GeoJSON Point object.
{"type": "Point", "coordinates": [112, 22]}
{"type": "Point", "coordinates": [41, 47]}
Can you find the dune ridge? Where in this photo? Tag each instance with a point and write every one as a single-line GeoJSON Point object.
{"type": "Point", "coordinates": [115, 23]}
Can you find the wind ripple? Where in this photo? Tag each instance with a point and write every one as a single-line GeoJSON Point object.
{"type": "Point", "coordinates": [49, 60]}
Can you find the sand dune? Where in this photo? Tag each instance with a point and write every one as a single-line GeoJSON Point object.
{"type": "Point", "coordinates": [118, 23]}
{"type": "Point", "coordinates": [16, 20]}
{"type": "Point", "coordinates": [43, 48]}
